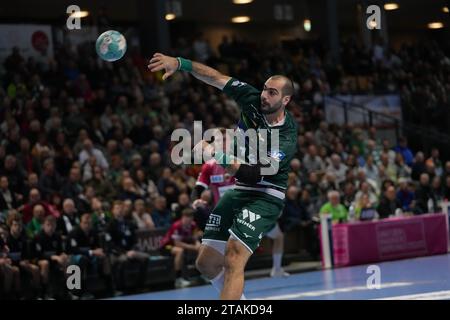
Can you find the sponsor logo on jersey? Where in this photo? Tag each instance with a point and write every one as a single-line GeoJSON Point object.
{"type": "Point", "coordinates": [214, 220]}
{"type": "Point", "coordinates": [277, 155]}
{"type": "Point", "coordinates": [238, 83]}
{"type": "Point", "coordinates": [218, 178]}
{"type": "Point", "coordinates": [250, 216]}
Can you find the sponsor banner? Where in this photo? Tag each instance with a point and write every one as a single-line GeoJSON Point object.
{"type": "Point", "coordinates": [33, 40]}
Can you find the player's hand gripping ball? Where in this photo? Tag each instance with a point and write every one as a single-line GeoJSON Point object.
{"type": "Point", "coordinates": [111, 45]}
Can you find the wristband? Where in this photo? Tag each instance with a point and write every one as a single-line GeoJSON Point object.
{"type": "Point", "coordinates": [184, 64]}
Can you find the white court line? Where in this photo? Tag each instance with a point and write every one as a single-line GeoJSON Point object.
{"type": "Point", "coordinates": [436, 295]}
{"type": "Point", "coordinates": [331, 291]}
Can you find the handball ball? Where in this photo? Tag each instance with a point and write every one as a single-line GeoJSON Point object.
{"type": "Point", "coordinates": [111, 45]}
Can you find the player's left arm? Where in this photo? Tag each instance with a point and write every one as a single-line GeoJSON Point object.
{"type": "Point", "coordinates": [200, 71]}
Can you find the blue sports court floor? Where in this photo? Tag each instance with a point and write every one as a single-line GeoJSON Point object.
{"type": "Point", "coordinates": [420, 278]}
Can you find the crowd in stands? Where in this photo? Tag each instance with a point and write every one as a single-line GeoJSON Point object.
{"type": "Point", "coordinates": [85, 152]}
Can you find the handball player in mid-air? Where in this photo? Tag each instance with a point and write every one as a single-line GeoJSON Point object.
{"type": "Point", "coordinates": [246, 213]}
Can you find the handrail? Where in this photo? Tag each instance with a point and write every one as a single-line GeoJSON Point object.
{"type": "Point", "coordinates": [424, 131]}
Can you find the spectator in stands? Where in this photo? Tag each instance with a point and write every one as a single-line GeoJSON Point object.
{"type": "Point", "coordinates": [122, 246]}
{"type": "Point", "coordinates": [100, 217]}
{"type": "Point", "coordinates": [8, 199]}
{"type": "Point", "coordinates": [367, 189]}
{"type": "Point", "coordinates": [50, 182]}
{"type": "Point", "coordinates": [312, 162]}
{"type": "Point", "coordinates": [179, 240]}
{"type": "Point", "coordinates": [333, 207]}
{"type": "Point", "coordinates": [389, 203]}
{"type": "Point", "coordinates": [348, 196]}
{"type": "Point", "coordinates": [161, 216]}
{"type": "Point", "coordinates": [418, 167]}
{"type": "Point", "coordinates": [142, 218]}
{"type": "Point", "coordinates": [48, 245]}
{"type": "Point", "coordinates": [127, 207]}
{"type": "Point", "coordinates": [403, 170]}
{"type": "Point", "coordinates": [16, 175]}
{"type": "Point", "coordinates": [184, 202]}
{"type": "Point", "coordinates": [446, 172]}
{"type": "Point", "coordinates": [9, 274]}
{"type": "Point", "coordinates": [32, 182]}
{"type": "Point", "coordinates": [388, 167]}
{"type": "Point", "coordinates": [371, 150]}
{"type": "Point", "coordinates": [141, 183]}
{"type": "Point", "coordinates": [298, 169]}
{"type": "Point", "coordinates": [156, 167]}
{"type": "Point", "coordinates": [312, 185]}
{"type": "Point", "coordinates": [370, 169]}
{"type": "Point", "coordinates": [363, 203]}
{"type": "Point", "coordinates": [69, 218]}
{"type": "Point", "coordinates": [25, 158]}
{"type": "Point", "coordinates": [405, 195]}
{"type": "Point", "coordinates": [83, 202]}
{"type": "Point", "coordinates": [102, 185]}
{"type": "Point", "coordinates": [88, 151]}
{"type": "Point", "coordinates": [386, 149]}
{"type": "Point", "coordinates": [88, 168]}
{"type": "Point", "coordinates": [437, 191]}
{"type": "Point", "coordinates": [167, 186]}
{"type": "Point", "coordinates": [129, 190]}
{"type": "Point", "coordinates": [406, 152]}
{"type": "Point", "coordinates": [21, 255]}
{"type": "Point", "coordinates": [35, 225]}
{"type": "Point", "coordinates": [425, 202]}
{"type": "Point", "coordinates": [430, 169]}
{"type": "Point", "coordinates": [14, 61]}
{"type": "Point", "coordinates": [293, 212]}
{"type": "Point", "coordinates": [435, 158]}
{"type": "Point", "coordinates": [337, 168]}
{"type": "Point", "coordinates": [73, 188]}
{"type": "Point", "coordinates": [84, 244]}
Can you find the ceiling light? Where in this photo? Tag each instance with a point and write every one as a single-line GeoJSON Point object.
{"type": "Point", "coordinates": [240, 19]}
{"type": "Point", "coordinates": [242, 1]}
{"type": "Point", "coordinates": [170, 16]}
{"type": "Point", "coordinates": [307, 25]}
{"type": "Point", "coordinates": [391, 6]}
{"type": "Point", "coordinates": [435, 25]}
{"type": "Point", "coordinates": [79, 14]}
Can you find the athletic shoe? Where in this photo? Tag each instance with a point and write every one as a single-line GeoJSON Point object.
{"type": "Point", "coordinates": [278, 273]}
{"type": "Point", "coordinates": [182, 283]}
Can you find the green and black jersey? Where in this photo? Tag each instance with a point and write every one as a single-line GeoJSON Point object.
{"type": "Point", "coordinates": [249, 100]}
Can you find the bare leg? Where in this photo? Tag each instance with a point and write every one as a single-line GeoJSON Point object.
{"type": "Point", "coordinates": [7, 277]}
{"type": "Point", "coordinates": [209, 262]}
{"type": "Point", "coordinates": [34, 271]}
{"type": "Point", "coordinates": [178, 253]}
{"type": "Point", "coordinates": [44, 267]}
{"type": "Point", "coordinates": [236, 257]}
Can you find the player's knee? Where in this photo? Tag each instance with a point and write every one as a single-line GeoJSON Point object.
{"type": "Point", "coordinates": [234, 257]}
{"type": "Point", "coordinates": [200, 264]}
{"type": "Point", "coordinates": [179, 251]}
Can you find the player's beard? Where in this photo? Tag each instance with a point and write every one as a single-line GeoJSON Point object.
{"type": "Point", "coordinates": [266, 108]}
